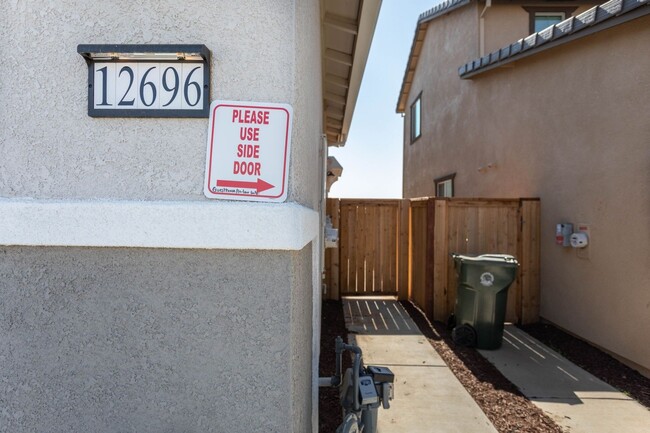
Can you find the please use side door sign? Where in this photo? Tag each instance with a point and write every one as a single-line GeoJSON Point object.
{"type": "Point", "coordinates": [248, 150]}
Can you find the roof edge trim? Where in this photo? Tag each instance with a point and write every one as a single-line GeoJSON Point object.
{"type": "Point", "coordinates": [594, 20]}
{"type": "Point", "coordinates": [422, 23]}
{"type": "Point", "coordinates": [367, 23]}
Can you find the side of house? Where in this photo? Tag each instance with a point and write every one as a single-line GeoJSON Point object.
{"type": "Point", "coordinates": [562, 121]}
{"type": "Point", "coordinates": [130, 301]}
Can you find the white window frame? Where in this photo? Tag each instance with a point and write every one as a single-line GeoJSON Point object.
{"type": "Point", "coordinates": [445, 185]}
{"type": "Point", "coordinates": [416, 115]}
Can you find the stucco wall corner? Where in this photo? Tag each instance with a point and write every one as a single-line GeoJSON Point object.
{"type": "Point", "coordinates": [203, 225]}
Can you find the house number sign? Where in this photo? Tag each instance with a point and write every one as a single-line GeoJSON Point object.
{"type": "Point", "coordinates": [147, 80]}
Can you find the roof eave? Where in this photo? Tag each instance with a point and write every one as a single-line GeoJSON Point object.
{"type": "Point", "coordinates": [416, 46]}
{"type": "Point", "coordinates": [367, 24]}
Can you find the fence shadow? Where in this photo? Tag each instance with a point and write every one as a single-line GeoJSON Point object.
{"type": "Point", "coordinates": [440, 337]}
{"type": "Point", "coordinates": [377, 316]}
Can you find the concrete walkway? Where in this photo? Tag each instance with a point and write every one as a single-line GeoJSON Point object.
{"type": "Point", "coordinates": [573, 398]}
{"type": "Point", "coordinates": [428, 397]}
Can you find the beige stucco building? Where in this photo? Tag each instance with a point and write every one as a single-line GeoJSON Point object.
{"type": "Point", "coordinates": [560, 115]}
{"type": "Point", "coordinates": [131, 302]}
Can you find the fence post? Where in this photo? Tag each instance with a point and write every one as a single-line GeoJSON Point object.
{"type": "Point", "coordinates": [440, 258]}
{"type": "Point", "coordinates": [404, 230]}
{"type": "Point", "coordinates": [530, 260]}
{"type": "Point", "coordinates": [429, 260]}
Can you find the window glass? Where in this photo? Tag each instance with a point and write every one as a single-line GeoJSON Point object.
{"type": "Point", "coordinates": [445, 186]}
{"type": "Point", "coordinates": [444, 189]}
{"type": "Point", "coordinates": [547, 19]}
{"type": "Point", "coordinates": [416, 119]}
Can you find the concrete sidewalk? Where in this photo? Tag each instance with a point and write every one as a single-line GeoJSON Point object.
{"type": "Point", "coordinates": [428, 397]}
{"type": "Point", "coordinates": [574, 399]}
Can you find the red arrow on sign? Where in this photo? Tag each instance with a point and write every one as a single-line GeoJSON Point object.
{"type": "Point", "coordinates": [259, 185]}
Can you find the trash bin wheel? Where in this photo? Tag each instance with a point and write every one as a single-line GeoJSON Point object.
{"type": "Point", "coordinates": [464, 335]}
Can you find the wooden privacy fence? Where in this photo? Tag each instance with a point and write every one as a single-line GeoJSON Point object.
{"type": "Point", "coordinates": [403, 247]}
{"type": "Point", "coordinates": [365, 262]}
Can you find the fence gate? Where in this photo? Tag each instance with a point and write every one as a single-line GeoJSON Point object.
{"type": "Point", "coordinates": [402, 247]}
{"type": "Point", "coordinates": [365, 262]}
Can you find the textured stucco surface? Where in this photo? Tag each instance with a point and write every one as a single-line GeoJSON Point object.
{"type": "Point", "coordinates": [566, 125]}
{"type": "Point", "coordinates": [52, 149]}
{"type": "Point", "coordinates": [301, 329]}
{"type": "Point", "coordinates": [507, 23]}
{"type": "Point", "coordinates": [146, 340]}
{"type": "Point", "coordinates": [436, 78]}
{"type": "Point", "coordinates": [307, 179]}
{"type": "Point", "coordinates": [157, 224]}
{"type": "Point", "coordinates": [154, 340]}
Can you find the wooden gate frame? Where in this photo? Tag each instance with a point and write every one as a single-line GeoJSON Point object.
{"type": "Point", "coordinates": [436, 294]}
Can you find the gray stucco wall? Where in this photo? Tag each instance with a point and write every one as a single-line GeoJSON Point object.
{"type": "Point", "coordinates": [301, 342]}
{"type": "Point", "coordinates": [143, 340]}
{"type": "Point", "coordinates": [152, 340]}
{"type": "Point", "coordinates": [449, 42]}
{"type": "Point", "coordinates": [52, 149]}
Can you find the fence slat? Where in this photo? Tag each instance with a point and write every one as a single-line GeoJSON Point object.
{"type": "Point", "coordinates": [530, 258]}
{"type": "Point", "coordinates": [418, 253]}
{"type": "Point", "coordinates": [333, 286]}
{"type": "Point", "coordinates": [429, 261]}
{"type": "Point", "coordinates": [370, 237]}
{"type": "Point", "coordinates": [441, 262]}
{"type": "Point", "coordinates": [402, 251]}
{"type": "Point", "coordinates": [401, 247]}
{"type": "Point", "coordinates": [346, 238]}
{"type": "Point", "coordinates": [359, 248]}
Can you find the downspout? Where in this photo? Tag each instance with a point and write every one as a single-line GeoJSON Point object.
{"type": "Point", "coordinates": [488, 4]}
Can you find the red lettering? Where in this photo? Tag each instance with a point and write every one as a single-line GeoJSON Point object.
{"type": "Point", "coordinates": [250, 168]}
{"type": "Point", "coordinates": [248, 151]}
{"type": "Point", "coordinates": [249, 134]}
{"type": "Point", "coordinates": [258, 117]}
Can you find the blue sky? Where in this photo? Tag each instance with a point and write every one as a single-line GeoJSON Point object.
{"type": "Point", "coordinates": [372, 156]}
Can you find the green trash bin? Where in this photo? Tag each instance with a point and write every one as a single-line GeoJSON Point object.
{"type": "Point", "coordinates": [482, 298]}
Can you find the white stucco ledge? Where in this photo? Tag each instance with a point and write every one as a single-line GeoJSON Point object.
{"type": "Point", "coordinates": [157, 224]}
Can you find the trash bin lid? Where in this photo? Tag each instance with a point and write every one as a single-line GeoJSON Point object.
{"type": "Point", "coordinates": [495, 258]}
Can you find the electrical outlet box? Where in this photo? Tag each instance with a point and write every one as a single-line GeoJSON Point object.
{"type": "Point", "coordinates": [583, 253]}
{"type": "Point", "coordinates": [381, 374]}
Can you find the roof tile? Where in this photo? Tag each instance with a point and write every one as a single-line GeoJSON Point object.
{"type": "Point", "coordinates": [559, 32]}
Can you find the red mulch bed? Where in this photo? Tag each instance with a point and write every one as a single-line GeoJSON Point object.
{"type": "Point", "coordinates": [499, 399]}
{"type": "Point", "coordinates": [330, 414]}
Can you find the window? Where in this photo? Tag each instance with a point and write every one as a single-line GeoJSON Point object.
{"type": "Point", "coordinates": [416, 118]}
{"type": "Point", "coordinates": [540, 17]}
{"type": "Point", "coordinates": [547, 19]}
{"type": "Point", "coordinates": [445, 186]}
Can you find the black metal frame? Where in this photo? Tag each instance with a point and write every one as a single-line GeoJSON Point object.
{"type": "Point", "coordinates": [85, 51]}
